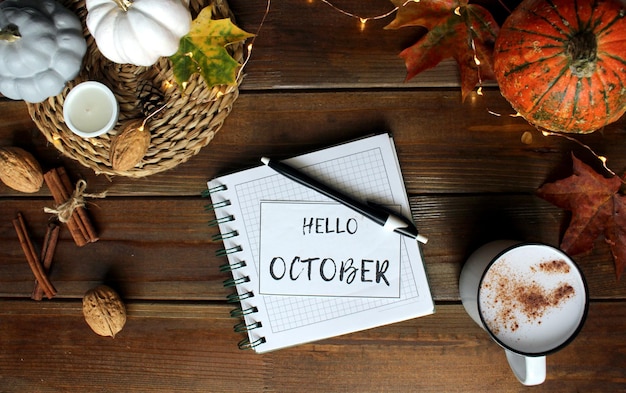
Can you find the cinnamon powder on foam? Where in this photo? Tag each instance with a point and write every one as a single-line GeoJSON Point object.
{"type": "Point", "coordinates": [529, 299]}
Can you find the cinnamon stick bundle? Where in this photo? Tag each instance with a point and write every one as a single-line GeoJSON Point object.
{"type": "Point", "coordinates": [78, 222]}
{"type": "Point", "coordinates": [31, 256]}
{"type": "Point", "coordinates": [47, 254]}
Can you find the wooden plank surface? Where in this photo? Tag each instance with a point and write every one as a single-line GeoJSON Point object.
{"type": "Point", "coordinates": [444, 146]}
{"type": "Point", "coordinates": [165, 251]}
{"type": "Point", "coordinates": [314, 79]}
{"type": "Point", "coordinates": [340, 54]}
{"type": "Point", "coordinates": [176, 347]}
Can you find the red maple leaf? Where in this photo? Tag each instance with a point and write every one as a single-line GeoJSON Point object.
{"type": "Point", "coordinates": [596, 206]}
{"type": "Point", "coordinates": [456, 29]}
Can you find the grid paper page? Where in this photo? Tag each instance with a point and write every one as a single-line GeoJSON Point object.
{"type": "Point", "coordinates": [366, 169]}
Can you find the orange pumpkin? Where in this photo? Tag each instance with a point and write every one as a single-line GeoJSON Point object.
{"type": "Point", "coordinates": [562, 63]}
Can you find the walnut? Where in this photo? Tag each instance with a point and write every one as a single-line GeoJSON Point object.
{"type": "Point", "coordinates": [104, 311]}
{"type": "Point", "coordinates": [130, 145]}
{"type": "Point", "coordinates": [20, 170]}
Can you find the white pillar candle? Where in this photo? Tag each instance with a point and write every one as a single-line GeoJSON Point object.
{"type": "Point", "coordinates": [90, 109]}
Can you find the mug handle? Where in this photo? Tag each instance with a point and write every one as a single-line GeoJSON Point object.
{"type": "Point", "coordinates": [528, 370]}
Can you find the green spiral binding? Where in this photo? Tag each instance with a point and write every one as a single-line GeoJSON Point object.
{"type": "Point", "coordinates": [222, 252]}
{"type": "Point", "coordinates": [229, 267]}
{"type": "Point", "coordinates": [243, 328]}
{"type": "Point", "coordinates": [239, 312]}
{"type": "Point", "coordinates": [223, 236]}
{"type": "Point", "coordinates": [216, 205]}
{"type": "Point", "coordinates": [237, 298]}
{"type": "Point", "coordinates": [221, 220]}
{"type": "Point", "coordinates": [246, 344]}
{"type": "Point", "coordinates": [207, 193]}
{"type": "Point", "coordinates": [233, 282]}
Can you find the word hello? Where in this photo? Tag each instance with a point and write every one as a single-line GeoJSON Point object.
{"type": "Point", "coordinates": [309, 269]}
{"type": "Point", "coordinates": [325, 225]}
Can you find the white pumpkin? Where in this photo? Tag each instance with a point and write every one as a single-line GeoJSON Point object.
{"type": "Point", "coordinates": [41, 48]}
{"type": "Point", "coordinates": [137, 31]}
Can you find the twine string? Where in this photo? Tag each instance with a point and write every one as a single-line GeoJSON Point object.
{"type": "Point", "coordinates": [77, 199]}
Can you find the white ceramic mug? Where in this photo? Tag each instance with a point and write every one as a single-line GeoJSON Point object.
{"type": "Point", "coordinates": [531, 298]}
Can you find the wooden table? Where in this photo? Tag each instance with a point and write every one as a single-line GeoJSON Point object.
{"type": "Point", "coordinates": [314, 79]}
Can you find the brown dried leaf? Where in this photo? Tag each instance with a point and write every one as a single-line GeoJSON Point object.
{"type": "Point", "coordinates": [456, 29]}
{"type": "Point", "coordinates": [597, 207]}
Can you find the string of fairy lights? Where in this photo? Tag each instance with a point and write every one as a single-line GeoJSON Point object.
{"type": "Point", "coordinates": [526, 138]}
{"type": "Point", "coordinates": [479, 90]}
{"type": "Point", "coordinates": [363, 20]}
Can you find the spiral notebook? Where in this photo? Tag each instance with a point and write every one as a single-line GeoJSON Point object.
{"type": "Point", "coordinates": [305, 268]}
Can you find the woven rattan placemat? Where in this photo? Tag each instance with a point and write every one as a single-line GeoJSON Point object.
{"type": "Point", "coordinates": [187, 124]}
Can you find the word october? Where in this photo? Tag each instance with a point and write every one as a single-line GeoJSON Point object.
{"type": "Point", "coordinates": [328, 268]}
{"type": "Point", "coordinates": [325, 249]}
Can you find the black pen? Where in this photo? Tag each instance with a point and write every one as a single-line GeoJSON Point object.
{"type": "Point", "coordinates": [374, 212]}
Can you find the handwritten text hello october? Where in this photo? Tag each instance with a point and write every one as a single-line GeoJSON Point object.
{"type": "Point", "coordinates": [347, 271]}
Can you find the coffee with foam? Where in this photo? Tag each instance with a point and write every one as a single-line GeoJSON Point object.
{"type": "Point", "coordinates": [532, 299]}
